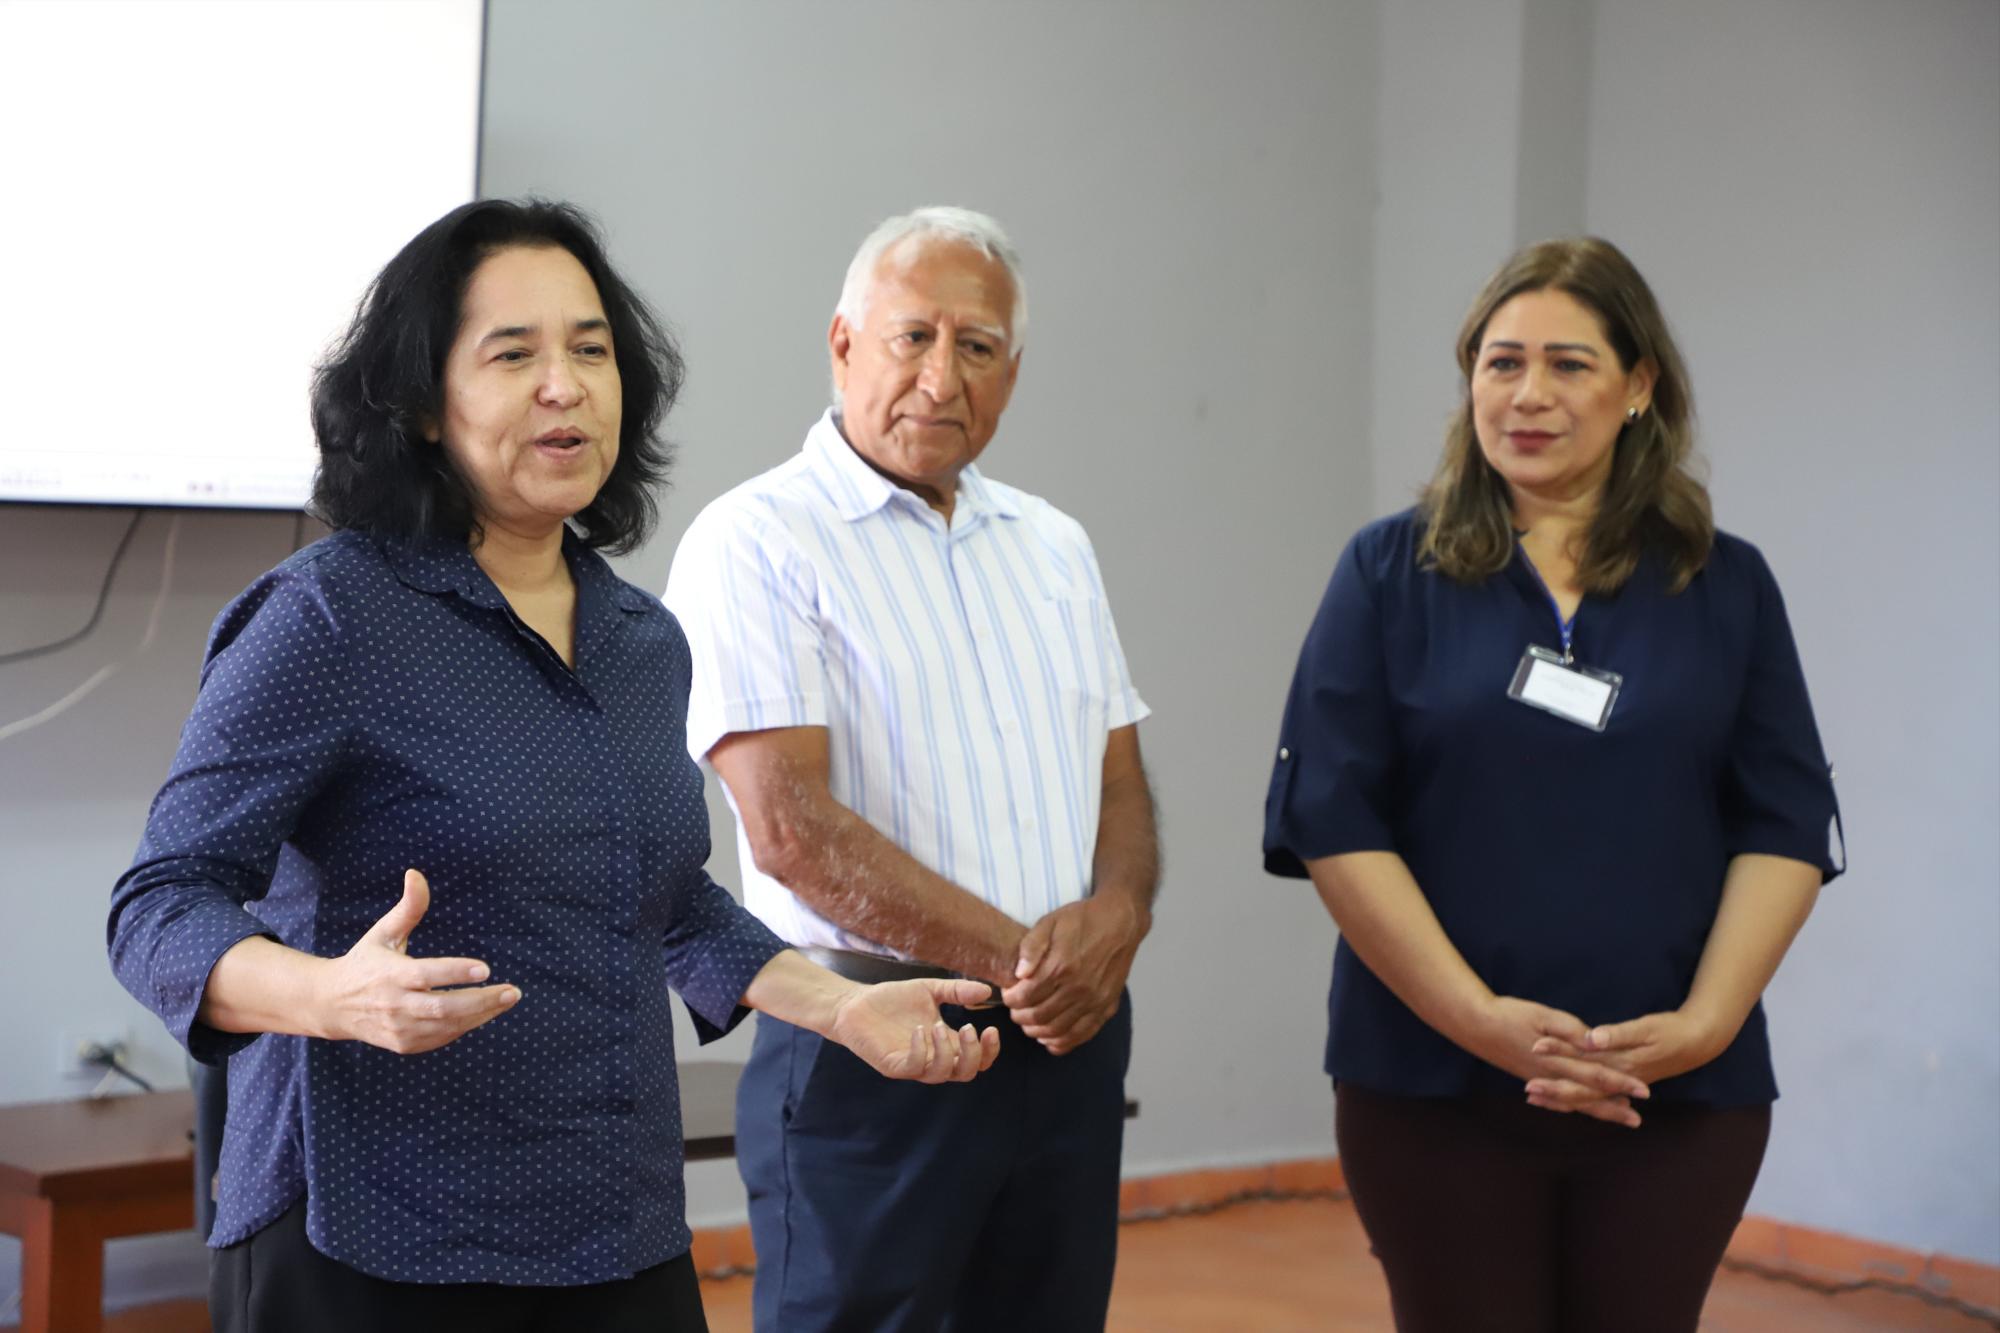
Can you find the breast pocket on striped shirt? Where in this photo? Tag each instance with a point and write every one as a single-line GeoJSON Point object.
{"type": "Point", "coordinates": [1073, 642]}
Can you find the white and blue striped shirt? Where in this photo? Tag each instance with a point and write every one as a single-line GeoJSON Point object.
{"type": "Point", "coordinates": [967, 675]}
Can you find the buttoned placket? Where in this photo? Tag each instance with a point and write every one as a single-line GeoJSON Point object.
{"type": "Point", "coordinates": [598, 617]}
{"type": "Point", "coordinates": [956, 545]}
{"type": "Point", "coordinates": [862, 494]}
{"type": "Point", "coordinates": [611, 822]}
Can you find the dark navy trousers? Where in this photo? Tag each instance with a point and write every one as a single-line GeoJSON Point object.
{"type": "Point", "coordinates": [893, 1207]}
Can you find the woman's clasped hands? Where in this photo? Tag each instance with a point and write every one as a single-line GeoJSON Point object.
{"type": "Point", "coordinates": [1552, 1050]}
{"type": "Point", "coordinates": [1601, 1071]}
{"type": "Point", "coordinates": [1646, 1049]}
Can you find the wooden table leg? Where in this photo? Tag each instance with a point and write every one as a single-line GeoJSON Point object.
{"type": "Point", "coordinates": [62, 1270]}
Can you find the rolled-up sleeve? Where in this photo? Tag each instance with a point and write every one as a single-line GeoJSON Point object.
{"type": "Point", "coordinates": [268, 730]}
{"type": "Point", "coordinates": [714, 949]}
{"type": "Point", "coordinates": [1777, 795]}
{"type": "Point", "coordinates": [1336, 756]}
{"type": "Point", "coordinates": [748, 604]}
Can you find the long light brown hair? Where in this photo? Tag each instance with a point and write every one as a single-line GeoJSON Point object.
{"type": "Point", "coordinates": [1653, 498]}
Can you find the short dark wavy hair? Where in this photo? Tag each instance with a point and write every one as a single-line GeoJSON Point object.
{"type": "Point", "coordinates": [373, 394]}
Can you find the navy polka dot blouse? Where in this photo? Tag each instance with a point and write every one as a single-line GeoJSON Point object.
{"type": "Point", "coordinates": [369, 707]}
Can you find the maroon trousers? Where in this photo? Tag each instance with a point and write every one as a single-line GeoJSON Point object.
{"type": "Point", "coordinates": [1495, 1215]}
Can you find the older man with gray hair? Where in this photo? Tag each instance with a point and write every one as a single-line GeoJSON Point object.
{"type": "Point", "coordinates": [908, 678]}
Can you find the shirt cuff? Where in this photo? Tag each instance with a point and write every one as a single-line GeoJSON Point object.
{"type": "Point", "coordinates": [719, 1018]}
{"type": "Point", "coordinates": [1828, 853]}
{"type": "Point", "coordinates": [763, 714]}
{"type": "Point", "coordinates": [195, 944]}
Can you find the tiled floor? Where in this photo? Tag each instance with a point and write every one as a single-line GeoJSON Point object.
{"type": "Point", "coordinates": [1280, 1267]}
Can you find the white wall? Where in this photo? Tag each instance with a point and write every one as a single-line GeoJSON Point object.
{"type": "Point", "coordinates": [1250, 232]}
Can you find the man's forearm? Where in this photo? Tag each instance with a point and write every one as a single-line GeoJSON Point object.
{"type": "Point", "coordinates": [836, 863]}
{"type": "Point", "coordinates": [842, 867]}
{"type": "Point", "coordinates": [1126, 866]}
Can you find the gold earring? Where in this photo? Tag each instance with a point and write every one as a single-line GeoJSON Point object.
{"type": "Point", "coordinates": [1631, 415]}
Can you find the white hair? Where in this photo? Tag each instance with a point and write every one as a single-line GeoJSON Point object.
{"type": "Point", "coordinates": [937, 223]}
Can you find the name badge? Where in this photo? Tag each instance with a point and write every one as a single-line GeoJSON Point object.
{"type": "Point", "coordinates": [1574, 692]}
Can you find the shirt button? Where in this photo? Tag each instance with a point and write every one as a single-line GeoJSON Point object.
{"type": "Point", "coordinates": [1283, 754]}
{"type": "Point", "coordinates": [1027, 826]}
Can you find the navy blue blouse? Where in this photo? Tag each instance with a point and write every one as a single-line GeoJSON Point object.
{"type": "Point", "coordinates": [369, 707]}
{"type": "Point", "coordinates": [1575, 868]}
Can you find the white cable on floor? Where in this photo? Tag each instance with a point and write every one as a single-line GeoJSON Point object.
{"type": "Point", "coordinates": [105, 673]}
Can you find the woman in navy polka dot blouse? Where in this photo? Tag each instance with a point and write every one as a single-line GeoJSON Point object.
{"type": "Point", "coordinates": [460, 1104]}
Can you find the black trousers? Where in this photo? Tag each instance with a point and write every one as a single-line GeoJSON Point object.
{"type": "Point", "coordinates": [1491, 1214]}
{"type": "Point", "coordinates": [886, 1207]}
{"type": "Point", "coordinates": [276, 1282]}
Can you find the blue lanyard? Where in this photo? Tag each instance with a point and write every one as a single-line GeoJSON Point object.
{"type": "Point", "coordinates": [1566, 627]}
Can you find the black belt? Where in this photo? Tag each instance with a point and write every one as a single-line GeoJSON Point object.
{"type": "Point", "coordinates": [872, 969]}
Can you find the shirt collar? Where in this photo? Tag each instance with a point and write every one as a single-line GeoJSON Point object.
{"type": "Point", "coordinates": [859, 490]}
{"type": "Point", "coordinates": [445, 565]}
{"type": "Point", "coordinates": [983, 497]}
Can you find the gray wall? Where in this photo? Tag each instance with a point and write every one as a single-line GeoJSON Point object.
{"type": "Point", "coordinates": [1250, 232]}
{"type": "Point", "coordinates": [1823, 224]}
{"type": "Point", "coordinates": [1178, 180]}
{"type": "Point", "coordinates": [1813, 189]}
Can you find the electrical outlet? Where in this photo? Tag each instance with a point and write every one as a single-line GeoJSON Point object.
{"type": "Point", "coordinates": [73, 1048]}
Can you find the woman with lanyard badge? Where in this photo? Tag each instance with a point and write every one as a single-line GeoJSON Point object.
{"type": "Point", "coordinates": [1549, 761]}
